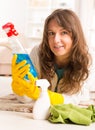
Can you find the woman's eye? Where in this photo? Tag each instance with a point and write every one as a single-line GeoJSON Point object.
{"type": "Point", "coordinates": [64, 32]}
{"type": "Point", "coordinates": [50, 33]}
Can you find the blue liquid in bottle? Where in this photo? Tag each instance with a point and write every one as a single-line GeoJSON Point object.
{"type": "Point", "coordinates": [21, 57]}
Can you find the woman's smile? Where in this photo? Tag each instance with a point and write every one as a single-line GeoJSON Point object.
{"type": "Point", "coordinates": [58, 46]}
{"type": "Point", "coordinates": [58, 49]}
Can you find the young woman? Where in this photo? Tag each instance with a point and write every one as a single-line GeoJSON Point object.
{"type": "Point", "coordinates": [62, 58]}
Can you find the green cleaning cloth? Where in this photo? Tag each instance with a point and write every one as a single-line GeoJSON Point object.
{"type": "Point", "coordinates": [69, 113]}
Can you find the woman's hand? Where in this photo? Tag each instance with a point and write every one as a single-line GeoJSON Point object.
{"type": "Point", "coordinates": [19, 70]}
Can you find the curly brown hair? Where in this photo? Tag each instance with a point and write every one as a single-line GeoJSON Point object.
{"type": "Point", "coordinates": [77, 67]}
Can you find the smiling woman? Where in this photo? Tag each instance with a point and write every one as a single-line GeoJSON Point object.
{"type": "Point", "coordinates": [62, 58]}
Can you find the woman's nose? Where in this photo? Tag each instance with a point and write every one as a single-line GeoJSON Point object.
{"type": "Point", "coordinates": [57, 38]}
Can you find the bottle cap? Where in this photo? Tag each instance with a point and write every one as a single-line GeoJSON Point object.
{"type": "Point", "coordinates": [43, 83]}
{"type": "Point", "coordinates": [9, 29]}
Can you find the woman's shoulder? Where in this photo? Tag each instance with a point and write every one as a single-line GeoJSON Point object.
{"type": "Point", "coordinates": [35, 49]}
{"type": "Point", "coordinates": [34, 55]}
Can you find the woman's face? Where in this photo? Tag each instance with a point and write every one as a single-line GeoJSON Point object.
{"type": "Point", "coordinates": [60, 40]}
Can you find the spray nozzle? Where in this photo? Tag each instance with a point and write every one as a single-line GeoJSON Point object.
{"type": "Point", "coordinates": [43, 83]}
{"type": "Point", "coordinates": [9, 29]}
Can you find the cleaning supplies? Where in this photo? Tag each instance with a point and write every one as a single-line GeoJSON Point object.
{"type": "Point", "coordinates": [17, 47]}
{"type": "Point", "coordinates": [42, 105]}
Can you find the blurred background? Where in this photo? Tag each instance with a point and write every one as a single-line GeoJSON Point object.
{"type": "Point", "coordinates": [28, 16]}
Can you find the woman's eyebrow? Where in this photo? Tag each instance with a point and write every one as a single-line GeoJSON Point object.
{"type": "Point", "coordinates": [49, 30]}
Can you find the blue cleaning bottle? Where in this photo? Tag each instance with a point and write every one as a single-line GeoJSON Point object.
{"type": "Point", "coordinates": [17, 47]}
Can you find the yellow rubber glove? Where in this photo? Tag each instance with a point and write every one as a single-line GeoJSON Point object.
{"type": "Point", "coordinates": [55, 98]}
{"type": "Point", "coordinates": [30, 88]}
{"type": "Point", "coordinates": [22, 87]}
{"type": "Point", "coordinates": [17, 87]}
{"type": "Point", "coordinates": [18, 71]}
